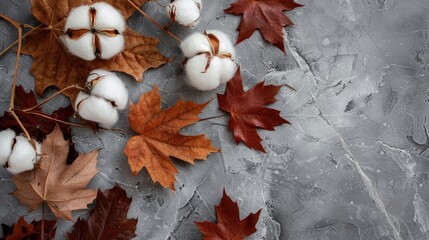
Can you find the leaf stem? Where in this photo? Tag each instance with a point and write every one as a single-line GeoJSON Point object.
{"type": "Point", "coordinates": [154, 21]}
{"type": "Point", "coordinates": [53, 96]}
{"type": "Point", "coordinates": [219, 116]}
{"type": "Point", "coordinates": [43, 222]}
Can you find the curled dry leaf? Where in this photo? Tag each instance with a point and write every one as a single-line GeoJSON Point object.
{"type": "Point", "coordinates": [267, 16]}
{"type": "Point", "coordinates": [109, 219]}
{"type": "Point", "coordinates": [22, 230]}
{"type": "Point", "coordinates": [159, 137]}
{"type": "Point", "coordinates": [248, 111]}
{"type": "Point", "coordinates": [229, 226]}
{"type": "Point", "coordinates": [60, 185]}
{"type": "Point", "coordinates": [54, 66]}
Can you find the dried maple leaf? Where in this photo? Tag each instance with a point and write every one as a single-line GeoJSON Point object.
{"type": "Point", "coordinates": [266, 15]}
{"type": "Point", "coordinates": [60, 185]}
{"type": "Point", "coordinates": [159, 137]}
{"type": "Point", "coordinates": [229, 226]}
{"type": "Point", "coordinates": [248, 111]}
{"type": "Point", "coordinates": [22, 230]}
{"type": "Point", "coordinates": [54, 66]}
{"type": "Point", "coordinates": [37, 126]}
{"type": "Point", "coordinates": [109, 219]}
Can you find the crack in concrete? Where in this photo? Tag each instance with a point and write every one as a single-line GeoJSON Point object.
{"type": "Point", "coordinates": [372, 190]}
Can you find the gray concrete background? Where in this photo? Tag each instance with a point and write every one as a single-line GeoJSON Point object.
{"type": "Point", "coordinates": [354, 163]}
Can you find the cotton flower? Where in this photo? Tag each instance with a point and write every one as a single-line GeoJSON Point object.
{"type": "Point", "coordinates": [185, 12]}
{"type": "Point", "coordinates": [107, 94]}
{"type": "Point", "coordinates": [209, 59]}
{"type": "Point", "coordinates": [17, 154]}
{"type": "Point", "coordinates": [94, 31]}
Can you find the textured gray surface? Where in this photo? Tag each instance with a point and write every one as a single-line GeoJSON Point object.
{"type": "Point", "coordinates": [354, 163]}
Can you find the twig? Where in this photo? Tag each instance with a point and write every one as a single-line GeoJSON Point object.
{"type": "Point", "coordinates": [18, 53]}
{"type": "Point", "coordinates": [53, 96]}
{"type": "Point", "coordinates": [21, 125]}
{"type": "Point", "coordinates": [56, 120]}
{"type": "Point", "coordinates": [205, 119]}
{"type": "Point", "coordinates": [14, 43]}
{"type": "Point", "coordinates": [163, 6]}
{"type": "Point", "coordinates": [154, 21]}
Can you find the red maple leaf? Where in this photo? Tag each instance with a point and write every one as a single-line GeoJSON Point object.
{"type": "Point", "coordinates": [229, 226]}
{"type": "Point", "coordinates": [265, 15]}
{"type": "Point", "coordinates": [22, 230]}
{"type": "Point", "coordinates": [248, 111]}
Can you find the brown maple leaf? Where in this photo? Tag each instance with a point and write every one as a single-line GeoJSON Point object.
{"type": "Point", "coordinates": [22, 230]}
{"type": "Point", "coordinates": [159, 137]}
{"type": "Point", "coordinates": [60, 185]}
{"type": "Point", "coordinates": [248, 111]}
{"type": "Point", "coordinates": [266, 15]}
{"type": "Point", "coordinates": [54, 66]}
{"type": "Point", "coordinates": [229, 226]}
{"type": "Point", "coordinates": [36, 125]}
{"type": "Point", "coordinates": [109, 219]}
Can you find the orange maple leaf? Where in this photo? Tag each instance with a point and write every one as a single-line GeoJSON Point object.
{"type": "Point", "coordinates": [229, 226]}
{"type": "Point", "coordinates": [60, 185]}
{"type": "Point", "coordinates": [159, 137]}
{"type": "Point", "coordinates": [53, 65]}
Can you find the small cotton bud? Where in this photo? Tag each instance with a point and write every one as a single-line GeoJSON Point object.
{"type": "Point", "coordinates": [185, 12]}
{"type": "Point", "coordinates": [201, 78]}
{"type": "Point", "coordinates": [94, 31]}
{"type": "Point", "coordinates": [109, 86]}
{"type": "Point", "coordinates": [96, 109]}
{"type": "Point", "coordinates": [23, 156]}
{"type": "Point", "coordinates": [6, 142]}
{"type": "Point", "coordinates": [210, 59]}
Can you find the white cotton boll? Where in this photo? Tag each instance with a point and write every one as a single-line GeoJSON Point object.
{"type": "Point", "coordinates": [229, 68]}
{"type": "Point", "coordinates": [110, 46]}
{"type": "Point", "coordinates": [81, 47]}
{"type": "Point", "coordinates": [187, 12]}
{"type": "Point", "coordinates": [225, 44]}
{"type": "Point", "coordinates": [23, 156]}
{"type": "Point", "coordinates": [78, 18]}
{"type": "Point", "coordinates": [98, 110]}
{"type": "Point", "coordinates": [203, 81]}
{"type": "Point", "coordinates": [6, 142]}
{"type": "Point", "coordinates": [108, 17]}
{"type": "Point", "coordinates": [80, 97]}
{"type": "Point", "coordinates": [195, 44]}
{"type": "Point", "coordinates": [109, 87]}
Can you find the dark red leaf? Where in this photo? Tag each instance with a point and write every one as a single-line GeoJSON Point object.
{"type": "Point", "coordinates": [109, 219]}
{"type": "Point", "coordinates": [37, 126]}
{"type": "Point", "coordinates": [22, 230]}
{"type": "Point", "coordinates": [229, 226]}
{"type": "Point", "coordinates": [267, 16]}
{"type": "Point", "coordinates": [248, 111]}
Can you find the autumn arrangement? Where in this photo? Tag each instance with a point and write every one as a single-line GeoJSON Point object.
{"type": "Point", "coordinates": [77, 47]}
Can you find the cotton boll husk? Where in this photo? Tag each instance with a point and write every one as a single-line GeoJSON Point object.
{"type": "Point", "coordinates": [208, 80]}
{"type": "Point", "coordinates": [23, 156]}
{"type": "Point", "coordinates": [110, 87]}
{"type": "Point", "coordinates": [195, 44]}
{"type": "Point", "coordinates": [187, 12]}
{"type": "Point", "coordinates": [225, 44]}
{"type": "Point", "coordinates": [229, 68]}
{"type": "Point", "coordinates": [108, 17]}
{"type": "Point", "coordinates": [98, 110]}
{"type": "Point", "coordinates": [6, 142]}
{"type": "Point", "coordinates": [78, 18]}
{"type": "Point", "coordinates": [110, 46]}
{"type": "Point", "coordinates": [97, 73]}
{"type": "Point", "coordinates": [81, 47]}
